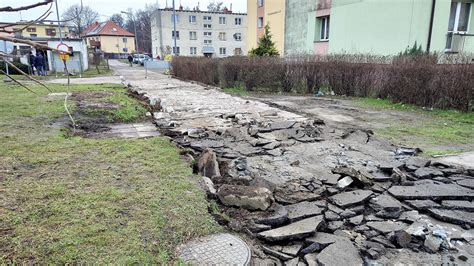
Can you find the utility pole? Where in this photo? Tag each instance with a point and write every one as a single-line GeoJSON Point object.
{"type": "Point", "coordinates": [174, 28]}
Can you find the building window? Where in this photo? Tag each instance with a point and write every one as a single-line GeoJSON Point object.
{"type": "Point", "coordinates": [208, 42]}
{"type": "Point", "coordinates": [238, 36]}
{"type": "Point", "coordinates": [173, 34]}
{"type": "Point", "coordinates": [125, 50]}
{"type": "Point", "coordinates": [192, 35]}
{"type": "Point", "coordinates": [260, 22]}
{"type": "Point", "coordinates": [207, 18]}
{"type": "Point", "coordinates": [124, 40]}
{"type": "Point", "coordinates": [176, 51]}
{"type": "Point", "coordinates": [33, 35]}
{"type": "Point", "coordinates": [51, 32]}
{"type": "Point", "coordinates": [176, 19]}
{"type": "Point", "coordinates": [192, 19]}
{"type": "Point", "coordinates": [324, 29]}
{"type": "Point", "coordinates": [222, 36]}
{"type": "Point", "coordinates": [207, 26]}
{"type": "Point", "coordinates": [193, 50]}
{"type": "Point", "coordinates": [238, 51]}
{"type": "Point", "coordinates": [31, 29]}
{"type": "Point", "coordinates": [238, 21]}
{"type": "Point", "coordinates": [260, 3]}
{"type": "Point", "coordinates": [222, 20]}
{"type": "Point", "coordinates": [207, 34]}
{"type": "Point", "coordinates": [222, 51]}
{"type": "Point", "coordinates": [458, 20]}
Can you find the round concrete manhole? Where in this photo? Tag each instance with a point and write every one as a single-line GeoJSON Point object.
{"type": "Point", "coordinates": [218, 249]}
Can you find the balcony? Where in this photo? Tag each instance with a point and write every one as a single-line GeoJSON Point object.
{"type": "Point", "coordinates": [457, 42]}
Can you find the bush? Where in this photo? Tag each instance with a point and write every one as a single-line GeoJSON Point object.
{"type": "Point", "coordinates": [418, 80]}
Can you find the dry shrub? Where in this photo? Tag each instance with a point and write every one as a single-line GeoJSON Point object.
{"type": "Point", "coordinates": [419, 80]}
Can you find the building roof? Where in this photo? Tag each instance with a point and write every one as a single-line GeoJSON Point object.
{"type": "Point", "coordinates": [107, 28]}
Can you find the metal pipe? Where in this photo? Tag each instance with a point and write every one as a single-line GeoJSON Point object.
{"type": "Point", "coordinates": [59, 22]}
{"type": "Point", "coordinates": [430, 32]}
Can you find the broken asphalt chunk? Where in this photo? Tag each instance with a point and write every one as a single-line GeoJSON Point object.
{"type": "Point", "coordinates": [427, 189]}
{"type": "Point", "coordinates": [248, 197]}
{"type": "Point", "coordinates": [387, 226]}
{"type": "Point", "coordinates": [294, 231]}
{"type": "Point", "coordinates": [340, 253]}
{"type": "Point", "coordinates": [303, 210]}
{"type": "Point", "coordinates": [351, 198]}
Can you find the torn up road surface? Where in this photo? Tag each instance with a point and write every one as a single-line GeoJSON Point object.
{"type": "Point", "coordinates": [304, 191]}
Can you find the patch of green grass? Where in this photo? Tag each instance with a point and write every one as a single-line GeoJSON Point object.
{"type": "Point", "coordinates": [130, 109]}
{"type": "Point", "coordinates": [240, 90]}
{"type": "Point", "coordinates": [92, 72]}
{"type": "Point", "coordinates": [436, 127]}
{"type": "Point", "coordinates": [89, 201]}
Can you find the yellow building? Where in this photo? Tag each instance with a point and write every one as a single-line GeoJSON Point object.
{"type": "Point", "coordinates": [110, 38]}
{"type": "Point", "coordinates": [40, 30]}
{"type": "Point", "coordinates": [262, 12]}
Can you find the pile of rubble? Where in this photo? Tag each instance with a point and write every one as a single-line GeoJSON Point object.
{"type": "Point", "coordinates": [366, 209]}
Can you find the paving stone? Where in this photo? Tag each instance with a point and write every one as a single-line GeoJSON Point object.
{"type": "Point", "coordinates": [387, 226]}
{"type": "Point", "coordinates": [344, 182]}
{"type": "Point", "coordinates": [458, 205]}
{"type": "Point", "coordinates": [453, 216]}
{"type": "Point", "coordinates": [303, 210]}
{"type": "Point", "coordinates": [410, 216]}
{"type": "Point", "coordinates": [388, 167]}
{"type": "Point", "coordinates": [331, 216]}
{"type": "Point", "coordinates": [427, 189]}
{"type": "Point", "coordinates": [340, 253]}
{"type": "Point", "coordinates": [249, 197]}
{"type": "Point", "coordinates": [334, 208]}
{"type": "Point", "coordinates": [294, 231]}
{"type": "Point", "coordinates": [277, 215]}
{"type": "Point", "coordinates": [382, 240]}
{"type": "Point", "coordinates": [334, 225]}
{"type": "Point", "coordinates": [219, 249]}
{"type": "Point", "coordinates": [351, 198]}
{"type": "Point", "coordinates": [311, 259]}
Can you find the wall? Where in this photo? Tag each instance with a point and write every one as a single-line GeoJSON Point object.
{"type": "Point", "coordinates": [252, 24]}
{"type": "Point", "coordinates": [298, 17]}
{"type": "Point", "coordinates": [115, 44]}
{"type": "Point", "coordinates": [75, 62]}
{"type": "Point", "coordinates": [275, 17]}
{"type": "Point", "coordinates": [379, 27]}
{"type": "Point", "coordinates": [41, 31]}
{"type": "Point", "coordinates": [162, 29]}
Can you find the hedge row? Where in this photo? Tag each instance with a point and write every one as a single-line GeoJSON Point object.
{"type": "Point", "coordinates": [418, 80]}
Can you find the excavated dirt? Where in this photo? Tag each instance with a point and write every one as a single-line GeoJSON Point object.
{"type": "Point", "coordinates": [338, 194]}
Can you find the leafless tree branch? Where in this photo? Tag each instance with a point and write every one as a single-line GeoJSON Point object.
{"type": "Point", "coordinates": [16, 81]}
{"type": "Point", "coordinates": [28, 76]}
{"type": "Point", "coordinates": [16, 9]}
{"type": "Point", "coordinates": [32, 43]}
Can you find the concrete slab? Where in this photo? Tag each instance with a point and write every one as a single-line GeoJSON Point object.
{"type": "Point", "coordinates": [465, 160]}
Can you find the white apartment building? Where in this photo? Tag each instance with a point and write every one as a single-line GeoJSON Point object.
{"type": "Point", "coordinates": [199, 33]}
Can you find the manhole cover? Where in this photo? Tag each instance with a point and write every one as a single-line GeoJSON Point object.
{"type": "Point", "coordinates": [216, 249]}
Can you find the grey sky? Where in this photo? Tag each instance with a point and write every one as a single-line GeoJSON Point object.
{"type": "Point", "coordinates": [105, 7]}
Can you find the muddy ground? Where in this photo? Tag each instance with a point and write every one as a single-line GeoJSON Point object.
{"type": "Point", "coordinates": [304, 181]}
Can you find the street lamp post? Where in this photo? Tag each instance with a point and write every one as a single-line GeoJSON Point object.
{"type": "Point", "coordinates": [134, 28]}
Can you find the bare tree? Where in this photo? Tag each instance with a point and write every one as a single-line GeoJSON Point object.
{"type": "Point", "coordinates": [215, 6]}
{"type": "Point", "coordinates": [118, 19]}
{"type": "Point", "coordinates": [141, 19]}
{"type": "Point", "coordinates": [80, 17]}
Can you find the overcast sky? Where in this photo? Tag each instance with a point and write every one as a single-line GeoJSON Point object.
{"type": "Point", "coordinates": [104, 7]}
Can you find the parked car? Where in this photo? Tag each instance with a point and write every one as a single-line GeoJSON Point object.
{"type": "Point", "coordinates": [142, 60]}
{"type": "Point", "coordinates": [135, 58]}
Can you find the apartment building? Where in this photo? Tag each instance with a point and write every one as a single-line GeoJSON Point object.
{"type": "Point", "coordinates": [25, 29]}
{"type": "Point", "coordinates": [199, 33]}
{"type": "Point", "coordinates": [380, 27]}
{"type": "Point", "coordinates": [261, 13]}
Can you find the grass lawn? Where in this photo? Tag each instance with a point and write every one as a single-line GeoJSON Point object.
{"type": "Point", "coordinates": [76, 200]}
{"type": "Point", "coordinates": [440, 127]}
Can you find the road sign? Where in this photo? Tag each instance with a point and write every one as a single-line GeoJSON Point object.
{"type": "Point", "coordinates": [64, 51]}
